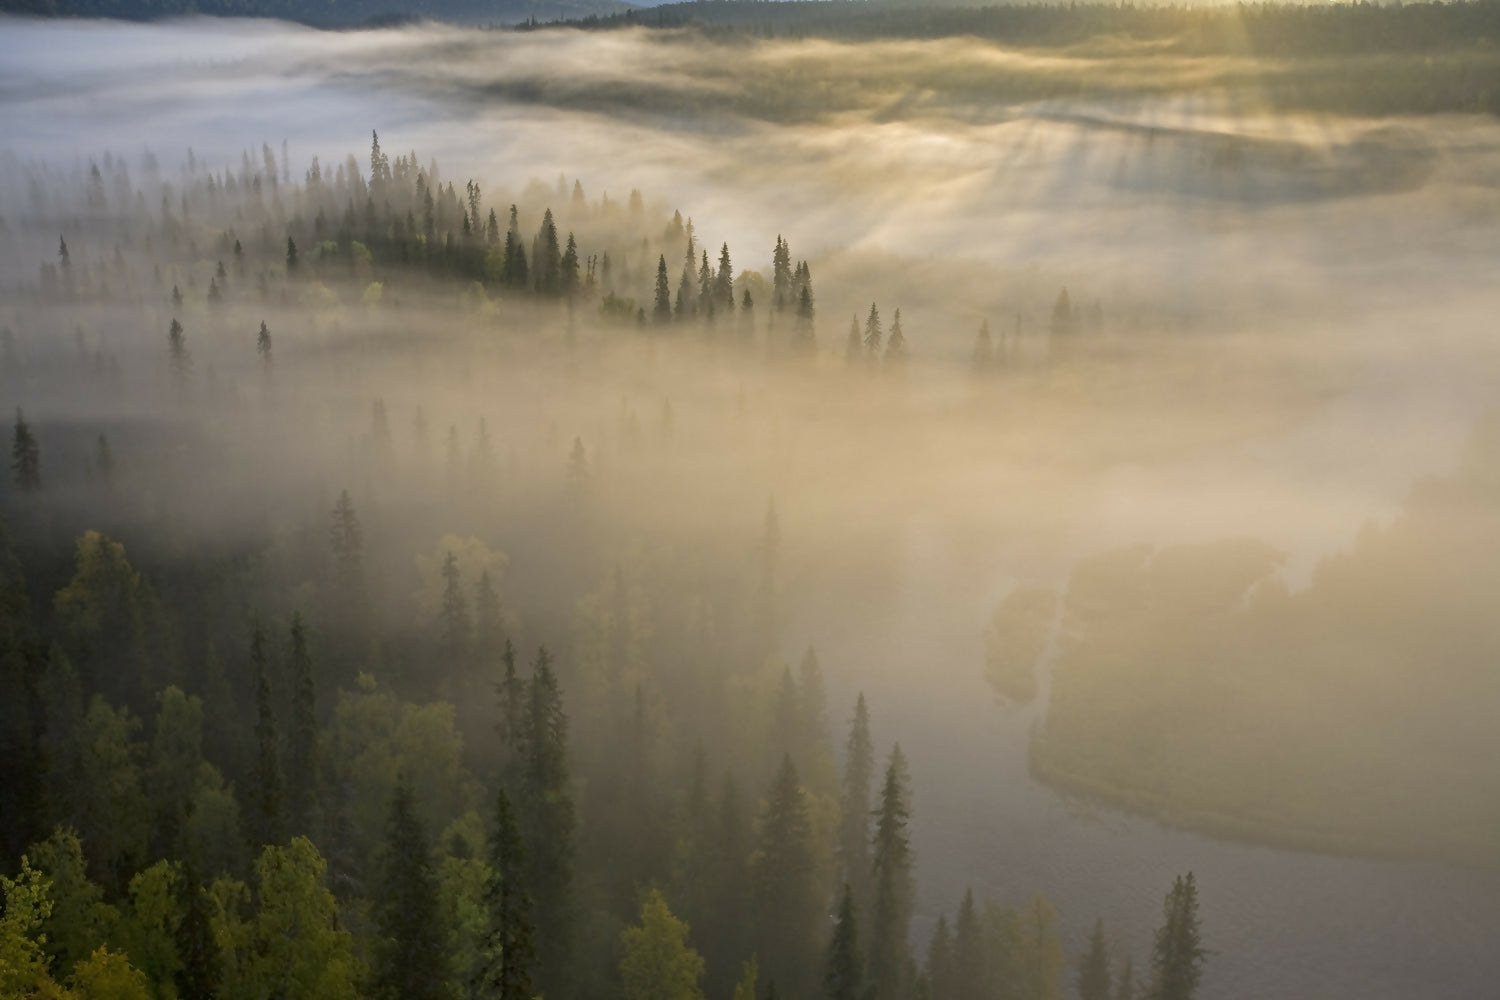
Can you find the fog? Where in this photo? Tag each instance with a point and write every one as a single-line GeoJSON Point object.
{"type": "Point", "coordinates": [1283, 322]}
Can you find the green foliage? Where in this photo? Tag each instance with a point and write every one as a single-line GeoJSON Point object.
{"type": "Point", "coordinates": [411, 952]}
{"type": "Point", "coordinates": [23, 960]}
{"type": "Point", "coordinates": [108, 975]}
{"type": "Point", "coordinates": [844, 969]}
{"type": "Point", "coordinates": [1177, 955]}
{"type": "Point", "coordinates": [291, 944]}
{"type": "Point", "coordinates": [148, 928]}
{"type": "Point", "coordinates": [658, 963]}
{"type": "Point", "coordinates": [789, 905]}
{"type": "Point", "coordinates": [78, 917]}
{"type": "Point", "coordinates": [894, 885]}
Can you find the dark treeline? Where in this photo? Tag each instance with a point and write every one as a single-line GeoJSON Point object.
{"type": "Point", "coordinates": [332, 14]}
{"type": "Point", "coordinates": [264, 738]}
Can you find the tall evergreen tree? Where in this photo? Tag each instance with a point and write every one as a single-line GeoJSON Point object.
{"type": "Point", "coordinates": [853, 847]}
{"type": "Point", "coordinates": [939, 970]}
{"type": "Point", "coordinates": [844, 971]}
{"type": "Point", "coordinates": [781, 276]}
{"type": "Point", "coordinates": [1178, 954]}
{"type": "Point", "coordinates": [568, 269]}
{"type": "Point", "coordinates": [724, 282]}
{"type": "Point", "coordinates": [411, 955]}
{"type": "Point", "coordinates": [25, 456]}
{"type": "Point", "coordinates": [177, 353]}
{"type": "Point", "coordinates": [789, 907]}
{"type": "Point", "coordinates": [510, 938]}
{"type": "Point", "coordinates": [1093, 968]}
{"type": "Point", "coordinates": [892, 866]}
{"type": "Point", "coordinates": [873, 335]}
{"type": "Point", "coordinates": [263, 345]}
{"type": "Point", "coordinates": [896, 353]}
{"type": "Point", "coordinates": [268, 817]}
{"type": "Point", "coordinates": [303, 756]}
{"type": "Point", "coordinates": [969, 972]}
{"type": "Point", "coordinates": [547, 260]}
{"type": "Point", "coordinates": [662, 311]}
{"type": "Point", "coordinates": [513, 269]}
{"type": "Point", "coordinates": [453, 621]}
{"type": "Point", "coordinates": [548, 824]}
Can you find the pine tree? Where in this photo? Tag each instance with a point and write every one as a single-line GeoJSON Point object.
{"type": "Point", "coordinates": [411, 956]}
{"type": "Point", "coordinates": [177, 353]}
{"type": "Point", "coordinates": [892, 867]}
{"type": "Point", "coordinates": [548, 824]}
{"type": "Point", "coordinates": [969, 965]}
{"type": "Point", "coordinates": [873, 335]}
{"type": "Point", "coordinates": [662, 312]}
{"type": "Point", "coordinates": [724, 281]}
{"type": "Point", "coordinates": [1178, 955]}
{"type": "Point", "coordinates": [346, 539]}
{"type": "Point", "coordinates": [510, 939]}
{"type": "Point", "coordinates": [895, 346]}
{"type": "Point", "coordinates": [489, 626]}
{"type": "Point", "coordinates": [25, 456]}
{"type": "Point", "coordinates": [568, 276]}
{"type": "Point", "coordinates": [939, 969]}
{"type": "Point", "coordinates": [453, 621]}
{"type": "Point", "coordinates": [1093, 968]}
{"type": "Point", "coordinates": [291, 256]}
{"type": "Point", "coordinates": [303, 756]}
{"type": "Point", "coordinates": [853, 848]}
{"type": "Point", "coordinates": [492, 230]}
{"type": "Point", "coordinates": [984, 351]}
{"type": "Point", "coordinates": [267, 805]}
{"type": "Point", "coordinates": [788, 905]}
{"type": "Point", "coordinates": [1125, 985]}
{"type": "Point", "coordinates": [513, 270]}
{"type": "Point", "coordinates": [263, 345]}
{"type": "Point", "coordinates": [547, 261]}
{"type": "Point", "coordinates": [854, 348]}
{"type": "Point", "coordinates": [781, 276]}
{"type": "Point", "coordinates": [804, 337]}
{"type": "Point", "coordinates": [512, 692]}
{"type": "Point", "coordinates": [843, 974]}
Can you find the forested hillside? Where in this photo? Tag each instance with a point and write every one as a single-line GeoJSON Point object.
{"type": "Point", "coordinates": [336, 664]}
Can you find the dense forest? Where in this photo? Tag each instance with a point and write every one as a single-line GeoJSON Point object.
{"type": "Point", "coordinates": [308, 695]}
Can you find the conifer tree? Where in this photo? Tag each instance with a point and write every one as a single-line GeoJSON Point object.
{"type": "Point", "coordinates": [25, 456]}
{"type": "Point", "coordinates": [781, 276]}
{"type": "Point", "coordinates": [411, 955]}
{"type": "Point", "coordinates": [854, 348]}
{"type": "Point", "coordinates": [662, 312]}
{"type": "Point", "coordinates": [892, 867]}
{"type": "Point", "coordinates": [788, 905]}
{"type": "Point", "coordinates": [805, 341]}
{"type": "Point", "coordinates": [1178, 955]}
{"type": "Point", "coordinates": [269, 824]}
{"type": "Point", "coordinates": [513, 270]}
{"type": "Point", "coordinates": [724, 281]}
{"type": "Point", "coordinates": [984, 351]}
{"type": "Point", "coordinates": [303, 750]}
{"type": "Point", "coordinates": [844, 971]}
{"type": "Point", "coordinates": [853, 848]}
{"type": "Point", "coordinates": [873, 335]}
{"type": "Point", "coordinates": [510, 937]}
{"type": "Point", "coordinates": [969, 960]}
{"type": "Point", "coordinates": [547, 822]}
{"type": "Point", "coordinates": [177, 352]}
{"type": "Point", "coordinates": [263, 345]}
{"type": "Point", "coordinates": [895, 346]}
{"type": "Point", "coordinates": [1125, 985]}
{"type": "Point", "coordinates": [489, 626]}
{"type": "Point", "coordinates": [492, 230]}
{"type": "Point", "coordinates": [568, 274]}
{"type": "Point", "coordinates": [291, 256]}
{"type": "Point", "coordinates": [547, 261]}
{"type": "Point", "coordinates": [1093, 968]}
{"type": "Point", "coordinates": [939, 970]}
{"type": "Point", "coordinates": [453, 620]}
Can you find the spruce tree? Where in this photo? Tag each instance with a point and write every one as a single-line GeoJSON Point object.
{"type": "Point", "coordinates": [1178, 955]}
{"type": "Point", "coordinates": [969, 959]}
{"type": "Point", "coordinates": [1093, 968]}
{"type": "Point", "coordinates": [291, 256]}
{"type": "Point", "coordinates": [453, 621]}
{"type": "Point", "coordinates": [873, 335]}
{"type": "Point", "coordinates": [662, 312]}
{"type": "Point", "coordinates": [548, 824]}
{"type": "Point", "coordinates": [269, 819]}
{"type": "Point", "coordinates": [510, 937]}
{"type": "Point", "coordinates": [263, 345]}
{"type": "Point", "coordinates": [781, 276]}
{"type": "Point", "coordinates": [844, 971]}
{"type": "Point", "coordinates": [568, 269]}
{"type": "Point", "coordinates": [25, 456]}
{"type": "Point", "coordinates": [788, 905]}
{"type": "Point", "coordinates": [724, 281]}
{"type": "Point", "coordinates": [892, 868]}
{"type": "Point", "coordinates": [303, 750]}
{"type": "Point", "coordinates": [411, 961]}
{"type": "Point", "coordinates": [939, 970]}
{"type": "Point", "coordinates": [896, 353]}
{"type": "Point", "coordinates": [547, 261]}
{"type": "Point", "coordinates": [177, 353]}
{"type": "Point", "coordinates": [853, 847]}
